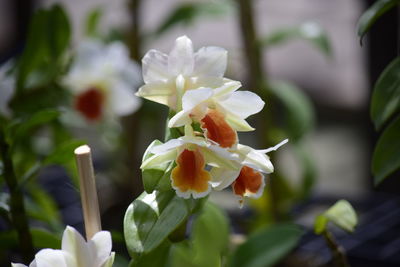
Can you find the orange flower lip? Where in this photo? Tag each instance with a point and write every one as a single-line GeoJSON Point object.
{"type": "Point", "coordinates": [189, 176]}
{"type": "Point", "coordinates": [249, 182]}
{"type": "Point", "coordinates": [218, 130]}
{"type": "Point", "coordinates": [90, 103]}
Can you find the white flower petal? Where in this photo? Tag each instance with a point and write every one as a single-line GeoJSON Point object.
{"type": "Point", "coordinates": [219, 157]}
{"type": "Point", "coordinates": [210, 61]}
{"type": "Point", "coordinates": [254, 159]}
{"type": "Point", "coordinates": [192, 98]}
{"type": "Point", "coordinates": [181, 57]}
{"type": "Point", "coordinates": [50, 258]}
{"type": "Point", "coordinates": [18, 265]}
{"type": "Point", "coordinates": [229, 86]}
{"type": "Point", "coordinates": [155, 67]}
{"type": "Point", "coordinates": [75, 244]}
{"type": "Point", "coordinates": [237, 123]}
{"type": "Point", "coordinates": [222, 178]}
{"type": "Point", "coordinates": [274, 148]}
{"type": "Point", "coordinates": [158, 92]}
{"type": "Point", "coordinates": [170, 145]}
{"type": "Point", "coordinates": [122, 99]}
{"type": "Point", "coordinates": [181, 118]}
{"type": "Point", "coordinates": [110, 260]}
{"type": "Point", "coordinates": [242, 104]}
{"type": "Point", "coordinates": [100, 246]}
{"type": "Point", "coordinates": [156, 160]}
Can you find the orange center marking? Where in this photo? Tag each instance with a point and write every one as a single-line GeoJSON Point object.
{"type": "Point", "coordinates": [249, 180]}
{"type": "Point", "coordinates": [189, 174]}
{"type": "Point", "coordinates": [90, 103]}
{"type": "Point", "coordinates": [217, 129]}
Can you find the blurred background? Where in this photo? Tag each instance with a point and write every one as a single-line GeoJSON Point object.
{"type": "Point", "coordinates": [337, 84]}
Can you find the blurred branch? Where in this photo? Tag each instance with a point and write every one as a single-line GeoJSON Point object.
{"type": "Point", "coordinates": [338, 253]}
{"type": "Point", "coordinates": [17, 208]}
{"type": "Point", "coordinates": [257, 81]}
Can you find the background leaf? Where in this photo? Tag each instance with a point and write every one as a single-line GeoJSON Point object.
{"type": "Point", "coordinates": [341, 214]}
{"type": "Point", "coordinates": [299, 109]}
{"type": "Point", "coordinates": [386, 96]}
{"type": "Point", "coordinates": [386, 158]}
{"type": "Point", "coordinates": [186, 13]}
{"type": "Point", "coordinates": [309, 31]}
{"type": "Point", "coordinates": [92, 22]}
{"type": "Point", "coordinates": [267, 247]}
{"type": "Point", "coordinates": [373, 13]}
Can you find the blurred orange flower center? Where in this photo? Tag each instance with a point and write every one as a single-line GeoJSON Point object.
{"type": "Point", "coordinates": [189, 174]}
{"type": "Point", "coordinates": [217, 129]}
{"type": "Point", "coordinates": [90, 103]}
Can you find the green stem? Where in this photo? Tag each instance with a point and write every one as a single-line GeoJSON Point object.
{"type": "Point", "coordinates": [257, 81]}
{"type": "Point", "coordinates": [17, 208]}
{"type": "Point", "coordinates": [339, 255]}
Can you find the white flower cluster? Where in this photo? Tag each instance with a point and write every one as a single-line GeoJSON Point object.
{"type": "Point", "coordinates": [193, 85]}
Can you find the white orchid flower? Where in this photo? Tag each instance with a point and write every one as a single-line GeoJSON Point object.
{"type": "Point", "coordinates": [167, 77]}
{"type": "Point", "coordinates": [103, 79]}
{"type": "Point", "coordinates": [191, 154]}
{"type": "Point", "coordinates": [221, 111]}
{"type": "Point", "coordinates": [248, 179]}
{"type": "Point", "coordinates": [76, 252]}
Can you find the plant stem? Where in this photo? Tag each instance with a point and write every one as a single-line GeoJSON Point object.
{"type": "Point", "coordinates": [339, 255]}
{"type": "Point", "coordinates": [257, 81]}
{"type": "Point", "coordinates": [17, 208]}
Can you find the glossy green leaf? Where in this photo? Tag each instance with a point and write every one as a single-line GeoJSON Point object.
{"type": "Point", "coordinates": [151, 218]}
{"type": "Point", "coordinates": [268, 246]}
{"type": "Point", "coordinates": [386, 157]}
{"type": "Point", "coordinates": [92, 21]}
{"type": "Point", "coordinates": [208, 240]}
{"type": "Point", "coordinates": [341, 214]}
{"type": "Point", "coordinates": [309, 31]}
{"type": "Point", "coordinates": [373, 13]}
{"type": "Point", "coordinates": [186, 13]}
{"type": "Point", "coordinates": [298, 107]}
{"type": "Point", "coordinates": [157, 178]}
{"type": "Point", "coordinates": [386, 96]}
{"type": "Point", "coordinates": [157, 257]}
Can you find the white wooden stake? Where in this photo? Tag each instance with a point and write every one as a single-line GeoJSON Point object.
{"type": "Point", "coordinates": [90, 204]}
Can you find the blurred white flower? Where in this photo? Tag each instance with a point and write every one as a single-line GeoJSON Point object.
{"type": "Point", "coordinates": [7, 87]}
{"type": "Point", "coordinates": [167, 77]}
{"type": "Point", "coordinates": [103, 79]}
{"type": "Point", "coordinates": [76, 252]}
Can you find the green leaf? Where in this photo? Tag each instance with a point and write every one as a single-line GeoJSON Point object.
{"type": "Point", "coordinates": [44, 239]}
{"type": "Point", "coordinates": [21, 129]}
{"type": "Point", "coordinates": [157, 178]}
{"type": "Point", "coordinates": [298, 107]}
{"type": "Point", "coordinates": [373, 13]}
{"type": "Point", "coordinates": [157, 257]}
{"type": "Point", "coordinates": [208, 241]}
{"type": "Point", "coordinates": [309, 31]}
{"type": "Point", "coordinates": [4, 205]}
{"type": "Point", "coordinates": [151, 218]}
{"type": "Point", "coordinates": [63, 153]}
{"type": "Point", "coordinates": [386, 157]}
{"type": "Point", "coordinates": [186, 13]}
{"type": "Point", "coordinates": [267, 247]}
{"type": "Point", "coordinates": [58, 25]}
{"type": "Point", "coordinates": [386, 96]}
{"type": "Point", "coordinates": [341, 214]}
{"type": "Point", "coordinates": [92, 22]}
